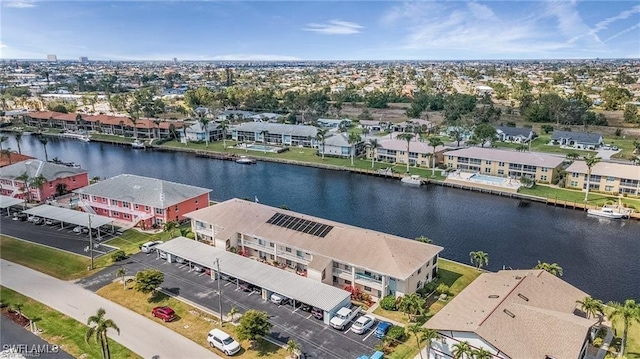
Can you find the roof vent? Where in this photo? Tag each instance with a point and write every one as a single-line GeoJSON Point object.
{"type": "Point", "coordinates": [494, 296]}
{"type": "Point", "coordinates": [518, 277]}
{"type": "Point", "coordinates": [509, 313]}
{"type": "Point", "coordinates": [523, 297]}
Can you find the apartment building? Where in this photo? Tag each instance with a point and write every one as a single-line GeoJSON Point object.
{"type": "Point", "coordinates": [607, 177]}
{"type": "Point", "coordinates": [141, 200]}
{"type": "Point", "coordinates": [505, 163]}
{"type": "Point", "coordinates": [376, 263]}
{"type": "Point", "coordinates": [275, 133]}
{"type": "Point", "coordinates": [395, 151]}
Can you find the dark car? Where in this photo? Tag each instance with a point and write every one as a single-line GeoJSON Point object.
{"type": "Point", "coordinates": [165, 313]}
{"type": "Point", "coordinates": [382, 329]}
{"type": "Point", "coordinates": [303, 306]}
{"type": "Point", "coordinates": [317, 313]}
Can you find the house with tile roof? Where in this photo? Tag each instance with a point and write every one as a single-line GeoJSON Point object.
{"type": "Point", "coordinates": [334, 253]}
{"type": "Point", "coordinates": [515, 314]}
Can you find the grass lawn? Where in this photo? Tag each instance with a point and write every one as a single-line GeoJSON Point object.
{"type": "Point", "coordinates": [569, 195]}
{"type": "Point", "coordinates": [61, 330]}
{"type": "Point", "coordinates": [132, 239]}
{"type": "Point", "coordinates": [406, 350]}
{"type": "Point", "coordinates": [633, 337]}
{"type": "Point", "coordinates": [540, 144]}
{"type": "Point", "coordinates": [191, 323]}
{"type": "Point", "coordinates": [625, 145]}
{"type": "Point", "coordinates": [114, 138]}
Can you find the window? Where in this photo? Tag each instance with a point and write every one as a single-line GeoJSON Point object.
{"type": "Point", "coordinates": [115, 213]}
{"type": "Point", "coordinates": [300, 254]}
{"type": "Point", "coordinates": [271, 244]}
{"type": "Point", "coordinates": [575, 175]}
{"type": "Point", "coordinates": [487, 170]}
{"type": "Point", "coordinates": [104, 200]}
{"type": "Point", "coordinates": [159, 211]}
{"type": "Point", "coordinates": [419, 270]}
{"type": "Point", "coordinates": [545, 169]}
{"type": "Point", "coordinates": [127, 216]}
{"type": "Point", "coordinates": [347, 267]}
{"type": "Point", "coordinates": [574, 184]}
{"type": "Point", "coordinates": [487, 162]}
{"type": "Point", "coordinates": [125, 204]}
{"type": "Point", "coordinates": [501, 164]}
{"type": "Point", "coordinates": [136, 206]}
{"type": "Point", "coordinates": [335, 279]}
{"type": "Point", "coordinates": [73, 179]}
{"type": "Point", "coordinates": [146, 208]}
{"type": "Point", "coordinates": [261, 242]}
{"type": "Point", "coordinates": [336, 265]}
{"type": "Point", "coordinates": [114, 202]}
{"type": "Point", "coordinates": [543, 178]}
{"type": "Point", "coordinates": [347, 282]}
{"type": "Point", "coordinates": [611, 179]}
{"type": "Point", "coordinates": [50, 184]}
{"type": "Point", "coordinates": [176, 208]}
{"type": "Point", "coordinates": [196, 201]}
{"type": "Point", "coordinates": [435, 260]}
{"type": "Point", "coordinates": [368, 289]}
{"type": "Point", "coordinates": [501, 172]}
{"type": "Point", "coordinates": [287, 249]}
{"type": "Point", "coordinates": [608, 188]}
{"type": "Point", "coordinates": [418, 285]}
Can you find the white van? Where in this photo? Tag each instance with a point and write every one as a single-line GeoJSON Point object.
{"type": "Point", "coordinates": [221, 340]}
{"type": "Point", "coordinates": [278, 299]}
{"type": "Point", "coordinates": [149, 246]}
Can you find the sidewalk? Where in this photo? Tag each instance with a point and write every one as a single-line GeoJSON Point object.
{"type": "Point", "coordinates": [141, 335]}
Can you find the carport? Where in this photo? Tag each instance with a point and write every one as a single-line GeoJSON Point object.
{"type": "Point", "coordinates": [271, 279]}
{"type": "Point", "coordinates": [7, 202]}
{"type": "Point", "coordinates": [65, 215]}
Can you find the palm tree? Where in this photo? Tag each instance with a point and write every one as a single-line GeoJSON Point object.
{"type": "Point", "coordinates": [170, 227]}
{"type": "Point", "coordinates": [412, 305]}
{"type": "Point", "coordinates": [293, 348]}
{"type": "Point", "coordinates": [418, 331]}
{"type": "Point", "coordinates": [24, 178]}
{"type": "Point", "coordinates": [408, 137]}
{"type": "Point", "coordinates": [264, 134]}
{"type": "Point", "coordinates": [38, 182]}
{"type": "Point", "coordinates": [591, 306]}
{"type": "Point", "coordinates": [157, 122]}
{"type": "Point", "coordinates": [223, 126]}
{"type": "Point", "coordinates": [204, 123]}
{"type": "Point", "coordinates": [18, 135]}
{"type": "Point", "coordinates": [233, 312]}
{"type": "Point", "coordinates": [479, 259]}
{"type": "Point", "coordinates": [552, 268]}
{"type": "Point", "coordinates": [434, 142]}
{"type": "Point", "coordinates": [120, 273]}
{"type": "Point", "coordinates": [373, 144]}
{"type": "Point", "coordinates": [79, 121]}
{"type": "Point", "coordinates": [423, 239]}
{"type": "Point", "coordinates": [461, 350]}
{"type": "Point", "coordinates": [627, 312]}
{"type": "Point", "coordinates": [429, 336]}
{"type": "Point", "coordinates": [481, 353]}
{"type": "Point", "coordinates": [44, 142]}
{"type": "Point", "coordinates": [353, 139]}
{"type": "Point", "coordinates": [134, 123]}
{"type": "Point", "coordinates": [321, 136]}
{"type": "Point", "coordinates": [590, 161]}
{"type": "Point", "coordinates": [634, 159]}
{"type": "Point", "coordinates": [99, 331]}
{"type": "Point", "coordinates": [573, 156]}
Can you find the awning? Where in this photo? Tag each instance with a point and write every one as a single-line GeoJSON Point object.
{"type": "Point", "coordinates": [6, 201]}
{"type": "Point", "coordinates": [69, 216]}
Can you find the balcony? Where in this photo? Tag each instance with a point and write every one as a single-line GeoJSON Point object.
{"type": "Point", "coordinates": [368, 279]}
{"type": "Point", "coordinates": [343, 273]}
{"type": "Point", "coordinates": [292, 256]}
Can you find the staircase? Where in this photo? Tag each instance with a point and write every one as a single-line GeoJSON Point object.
{"type": "Point", "coordinates": [85, 207]}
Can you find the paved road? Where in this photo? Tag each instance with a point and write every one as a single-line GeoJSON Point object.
{"type": "Point", "coordinates": [13, 336]}
{"type": "Point", "coordinates": [143, 336]}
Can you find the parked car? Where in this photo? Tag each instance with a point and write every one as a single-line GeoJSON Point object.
{"type": "Point", "coordinates": [180, 260]}
{"type": "Point", "coordinates": [207, 271]}
{"type": "Point", "coordinates": [165, 313]}
{"type": "Point", "coordinates": [197, 268]}
{"type": "Point", "coordinates": [32, 218]}
{"type": "Point", "coordinates": [317, 313]}
{"type": "Point", "coordinates": [362, 324]}
{"type": "Point", "coordinates": [278, 299]}
{"type": "Point", "coordinates": [20, 217]}
{"type": "Point", "coordinates": [80, 229]}
{"type": "Point", "coordinates": [244, 286]}
{"type": "Point", "coordinates": [382, 329]}
{"type": "Point", "coordinates": [163, 255]}
{"type": "Point", "coordinates": [150, 246]}
{"type": "Point", "coordinates": [51, 222]}
{"type": "Point", "coordinates": [37, 220]}
{"type": "Point", "coordinates": [606, 147]}
{"type": "Point", "coordinates": [303, 306]}
{"type": "Point", "coordinates": [222, 341]}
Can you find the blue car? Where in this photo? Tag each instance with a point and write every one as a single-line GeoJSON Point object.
{"type": "Point", "coordinates": [381, 329]}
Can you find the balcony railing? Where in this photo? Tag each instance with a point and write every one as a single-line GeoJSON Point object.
{"type": "Point", "coordinates": [292, 256]}
{"type": "Point", "coordinates": [342, 271]}
{"type": "Point", "coordinates": [368, 278]}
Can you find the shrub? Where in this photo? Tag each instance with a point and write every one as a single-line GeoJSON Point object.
{"type": "Point", "coordinates": [547, 128]}
{"type": "Point", "coordinates": [443, 289]}
{"type": "Point", "coordinates": [597, 342]}
{"type": "Point", "coordinates": [396, 334]}
{"type": "Point", "coordinates": [511, 124]}
{"type": "Point", "coordinates": [618, 132]}
{"type": "Point", "coordinates": [118, 256]}
{"type": "Point", "coordinates": [388, 303]}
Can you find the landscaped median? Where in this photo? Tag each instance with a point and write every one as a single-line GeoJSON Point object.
{"type": "Point", "coordinates": [192, 323]}
{"type": "Point", "coordinates": [58, 329]}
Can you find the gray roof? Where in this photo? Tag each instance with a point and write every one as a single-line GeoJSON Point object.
{"type": "Point", "coordinates": [35, 168]}
{"type": "Point", "coordinates": [339, 140]}
{"type": "Point", "coordinates": [6, 201]}
{"type": "Point", "coordinates": [196, 127]}
{"type": "Point", "coordinates": [579, 137]}
{"type": "Point", "coordinates": [280, 281]}
{"type": "Point", "coordinates": [277, 128]}
{"type": "Point", "coordinates": [148, 191]}
{"type": "Point", "coordinates": [515, 131]}
{"type": "Point", "coordinates": [69, 216]}
{"type": "Point", "coordinates": [510, 156]}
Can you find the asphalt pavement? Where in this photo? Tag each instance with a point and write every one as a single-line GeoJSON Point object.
{"type": "Point", "coordinates": [16, 339]}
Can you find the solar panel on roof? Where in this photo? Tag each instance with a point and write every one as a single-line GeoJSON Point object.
{"type": "Point", "coordinates": [300, 225]}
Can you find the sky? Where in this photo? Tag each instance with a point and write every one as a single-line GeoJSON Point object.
{"type": "Point", "coordinates": [319, 30]}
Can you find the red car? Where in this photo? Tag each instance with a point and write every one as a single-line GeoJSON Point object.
{"type": "Point", "coordinates": [165, 313]}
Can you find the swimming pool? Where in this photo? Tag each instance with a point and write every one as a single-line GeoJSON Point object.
{"type": "Point", "coordinates": [483, 178]}
{"type": "Point", "coordinates": [264, 148]}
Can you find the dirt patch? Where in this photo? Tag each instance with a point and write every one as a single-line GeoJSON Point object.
{"type": "Point", "coordinates": [15, 316]}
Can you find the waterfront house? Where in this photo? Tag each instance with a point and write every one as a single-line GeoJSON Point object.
{"type": "Point", "coordinates": [143, 201]}
{"type": "Point", "coordinates": [505, 163]}
{"type": "Point", "coordinates": [514, 134]}
{"type": "Point", "coordinates": [57, 178]}
{"type": "Point", "coordinates": [334, 253]}
{"type": "Point", "coordinates": [578, 140]}
{"type": "Point", "coordinates": [337, 145]}
{"type": "Point", "coordinates": [515, 314]}
{"type": "Point", "coordinates": [374, 126]}
{"type": "Point", "coordinates": [275, 133]}
{"type": "Point", "coordinates": [195, 132]}
{"type": "Point", "coordinates": [395, 151]}
{"type": "Point", "coordinates": [608, 177]}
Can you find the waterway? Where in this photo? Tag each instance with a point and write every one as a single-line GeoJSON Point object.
{"type": "Point", "coordinates": [599, 256]}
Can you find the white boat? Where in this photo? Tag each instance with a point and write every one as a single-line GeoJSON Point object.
{"type": "Point", "coordinates": [85, 139]}
{"type": "Point", "coordinates": [244, 160]}
{"type": "Point", "coordinates": [606, 213]}
{"type": "Point", "coordinates": [413, 180]}
{"type": "Point", "coordinates": [137, 144]}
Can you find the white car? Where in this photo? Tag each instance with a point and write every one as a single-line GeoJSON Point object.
{"type": "Point", "coordinates": [51, 222]}
{"type": "Point", "coordinates": [221, 340]}
{"type": "Point", "coordinates": [150, 246]}
{"type": "Point", "coordinates": [362, 324]}
{"type": "Point", "coordinates": [278, 299]}
{"type": "Point", "coordinates": [80, 229]}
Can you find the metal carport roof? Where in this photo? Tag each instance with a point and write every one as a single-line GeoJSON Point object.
{"type": "Point", "coordinates": [6, 201]}
{"type": "Point", "coordinates": [291, 285]}
{"type": "Point", "coordinates": [69, 216]}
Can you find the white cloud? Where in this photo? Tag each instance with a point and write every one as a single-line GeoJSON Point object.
{"type": "Point", "coordinates": [20, 4]}
{"type": "Point", "coordinates": [334, 27]}
{"type": "Point", "coordinates": [627, 30]}
{"type": "Point", "coordinates": [480, 11]}
{"type": "Point", "coordinates": [604, 24]}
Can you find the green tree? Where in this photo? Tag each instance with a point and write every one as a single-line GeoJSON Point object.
{"type": "Point", "coordinates": [120, 273]}
{"type": "Point", "coordinates": [353, 139]}
{"type": "Point", "coordinates": [418, 332]}
{"type": "Point", "coordinates": [573, 156]}
{"type": "Point", "coordinates": [37, 183]}
{"type": "Point", "coordinates": [98, 327]}
{"type": "Point", "coordinates": [434, 142]}
{"type": "Point", "coordinates": [233, 312]}
{"type": "Point", "coordinates": [552, 268]}
{"type": "Point", "coordinates": [204, 123]}
{"type": "Point", "coordinates": [224, 126]}
{"type": "Point", "coordinates": [170, 227]}
{"type": "Point", "coordinates": [481, 353]}
{"type": "Point", "coordinates": [365, 115]}
{"type": "Point", "coordinates": [407, 137]}
{"type": "Point", "coordinates": [253, 326]}
{"type": "Point", "coordinates": [484, 132]}
{"type": "Point", "coordinates": [589, 160]}
{"type": "Point", "coordinates": [148, 280]}
{"type": "Point", "coordinates": [479, 259]}
{"type": "Point", "coordinates": [591, 306]}
{"type": "Point", "coordinates": [628, 313]}
{"type": "Point", "coordinates": [461, 350]}
{"type": "Point", "coordinates": [615, 97]}
{"type": "Point", "coordinates": [630, 113]}
{"type": "Point", "coordinates": [412, 305]}
{"type": "Point", "coordinates": [429, 336]}
{"type": "Point", "coordinates": [373, 144]}
{"type": "Point", "coordinates": [44, 140]}
{"type": "Point", "coordinates": [423, 239]}
{"type": "Point", "coordinates": [293, 349]}
{"type": "Point", "coordinates": [61, 189]}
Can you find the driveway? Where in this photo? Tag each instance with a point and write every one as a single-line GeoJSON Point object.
{"type": "Point", "coordinates": [13, 336]}
{"type": "Point", "coordinates": [606, 154]}
{"type": "Point", "coordinates": [317, 339]}
{"type": "Point", "coordinates": [143, 336]}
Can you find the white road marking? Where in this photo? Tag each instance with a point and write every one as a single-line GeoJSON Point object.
{"type": "Point", "coordinates": [371, 331]}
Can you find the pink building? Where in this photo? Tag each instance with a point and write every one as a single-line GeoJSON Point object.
{"type": "Point", "coordinates": [57, 179]}
{"type": "Point", "coordinates": [142, 201]}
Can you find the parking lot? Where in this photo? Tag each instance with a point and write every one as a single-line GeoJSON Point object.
{"type": "Point", "coordinates": [317, 339]}
{"type": "Point", "coordinates": [54, 236]}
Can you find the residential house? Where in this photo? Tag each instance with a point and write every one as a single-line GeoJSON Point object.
{"type": "Point", "coordinates": [395, 151]}
{"type": "Point", "coordinates": [57, 178]}
{"type": "Point", "coordinates": [334, 253]}
{"type": "Point", "coordinates": [413, 125]}
{"type": "Point", "coordinates": [228, 115]}
{"type": "Point", "coordinates": [505, 163]}
{"type": "Point", "coordinates": [578, 140]}
{"type": "Point", "coordinates": [514, 134]}
{"type": "Point", "coordinates": [266, 117]}
{"type": "Point", "coordinates": [606, 177]}
{"type": "Point", "coordinates": [374, 126]}
{"type": "Point", "coordinates": [337, 145]}
{"type": "Point", "coordinates": [275, 133]}
{"type": "Point", "coordinates": [194, 131]}
{"type": "Point", "coordinates": [143, 201]}
{"type": "Point", "coordinates": [333, 123]}
{"type": "Point", "coordinates": [515, 314]}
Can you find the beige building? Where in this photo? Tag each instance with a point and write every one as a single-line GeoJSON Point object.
{"type": "Point", "coordinates": [515, 314]}
{"type": "Point", "coordinates": [606, 177]}
{"type": "Point", "coordinates": [395, 151]}
{"type": "Point", "coordinates": [505, 163]}
{"type": "Point", "coordinates": [377, 263]}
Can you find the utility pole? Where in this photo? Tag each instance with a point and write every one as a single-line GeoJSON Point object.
{"type": "Point", "coordinates": [217, 262]}
{"type": "Point", "coordinates": [90, 242]}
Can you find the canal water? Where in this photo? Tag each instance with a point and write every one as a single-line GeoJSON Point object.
{"type": "Point", "coordinates": [599, 256]}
